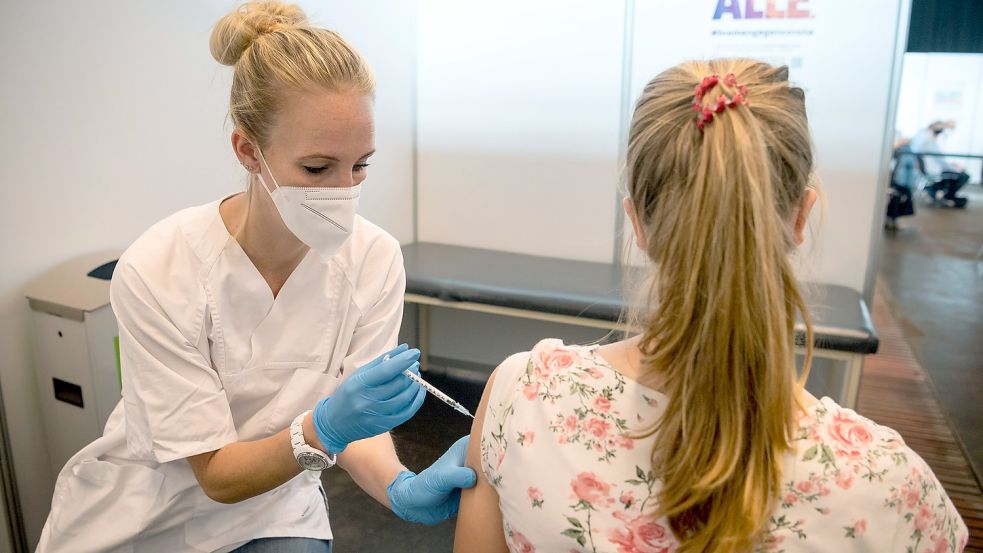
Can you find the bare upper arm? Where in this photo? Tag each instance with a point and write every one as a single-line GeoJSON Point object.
{"type": "Point", "coordinates": [479, 520]}
{"type": "Point", "coordinates": [199, 466]}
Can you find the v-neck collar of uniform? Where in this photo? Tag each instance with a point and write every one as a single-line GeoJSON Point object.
{"type": "Point", "coordinates": [243, 259]}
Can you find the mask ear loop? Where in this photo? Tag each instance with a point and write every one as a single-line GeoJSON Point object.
{"type": "Point", "coordinates": [260, 174]}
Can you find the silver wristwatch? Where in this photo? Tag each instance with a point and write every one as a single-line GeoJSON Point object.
{"type": "Point", "coordinates": [310, 458]}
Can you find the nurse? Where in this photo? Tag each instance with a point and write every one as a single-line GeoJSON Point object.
{"type": "Point", "coordinates": [254, 330]}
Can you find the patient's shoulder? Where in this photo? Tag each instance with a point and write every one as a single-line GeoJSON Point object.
{"type": "Point", "coordinates": [547, 357]}
{"type": "Point", "coordinates": [526, 371]}
{"type": "Point", "coordinates": [551, 357]}
{"type": "Point", "coordinates": [860, 477]}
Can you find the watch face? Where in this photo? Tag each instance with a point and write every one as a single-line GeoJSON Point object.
{"type": "Point", "coordinates": [312, 461]}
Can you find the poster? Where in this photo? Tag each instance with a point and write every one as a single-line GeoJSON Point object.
{"type": "Point", "coordinates": [779, 32]}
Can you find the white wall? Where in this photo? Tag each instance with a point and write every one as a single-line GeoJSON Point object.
{"type": "Point", "coordinates": [944, 87]}
{"type": "Point", "coordinates": [114, 116]}
{"type": "Point", "coordinates": [518, 120]}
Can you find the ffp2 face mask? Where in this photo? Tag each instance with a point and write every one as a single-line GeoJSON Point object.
{"type": "Point", "coordinates": [321, 217]}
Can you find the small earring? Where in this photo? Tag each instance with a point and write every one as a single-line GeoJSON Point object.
{"type": "Point", "coordinates": [248, 168]}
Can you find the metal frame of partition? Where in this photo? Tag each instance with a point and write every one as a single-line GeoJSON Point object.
{"type": "Point", "coordinates": [883, 183]}
{"type": "Point", "coordinates": [8, 485]}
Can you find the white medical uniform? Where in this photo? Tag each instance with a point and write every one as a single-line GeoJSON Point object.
{"type": "Point", "coordinates": [209, 357]}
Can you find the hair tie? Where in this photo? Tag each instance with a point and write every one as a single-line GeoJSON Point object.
{"type": "Point", "coordinates": [704, 114]}
{"type": "Point", "coordinates": [705, 85]}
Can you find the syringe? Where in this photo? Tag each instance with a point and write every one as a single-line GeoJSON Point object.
{"type": "Point", "coordinates": [433, 390]}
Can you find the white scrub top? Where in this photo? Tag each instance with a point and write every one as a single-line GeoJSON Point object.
{"type": "Point", "coordinates": [210, 358]}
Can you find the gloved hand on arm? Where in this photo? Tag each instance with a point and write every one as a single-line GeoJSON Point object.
{"type": "Point", "coordinates": [435, 494]}
{"type": "Point", "coordinates": [374, 400]}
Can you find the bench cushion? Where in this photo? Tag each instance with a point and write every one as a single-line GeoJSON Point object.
{"type": "Point", "coordinates": [592, 290]}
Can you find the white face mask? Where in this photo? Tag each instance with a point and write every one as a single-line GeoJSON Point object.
{"type": "Point", "coordinates": [322, 218]}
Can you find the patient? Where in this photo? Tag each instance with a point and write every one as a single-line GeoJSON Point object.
{"type": "Point", "coordinates": [696, 434]}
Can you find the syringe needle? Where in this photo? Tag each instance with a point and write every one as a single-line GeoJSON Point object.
{"type": "Point", "coordinates": [437, 393]}
{"type": "Point", "coordinates": [434, 391]}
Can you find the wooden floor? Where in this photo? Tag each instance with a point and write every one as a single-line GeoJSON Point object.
{"type": "Point", "coordinates": [896, 392]}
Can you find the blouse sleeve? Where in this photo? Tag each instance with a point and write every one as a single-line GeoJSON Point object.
{"type": "Point", "coordinates": [498, 415]}
{"type": "Point", "coordinates": [928, 520]}
{"type": "Point", "coordinates": [175, 405]}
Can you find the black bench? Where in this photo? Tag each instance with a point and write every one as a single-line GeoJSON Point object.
{"type": "Point", "coordinates": [589, 294]}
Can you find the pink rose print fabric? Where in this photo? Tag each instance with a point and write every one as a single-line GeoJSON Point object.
{"type": "Point", "coordinates": [561, 446]}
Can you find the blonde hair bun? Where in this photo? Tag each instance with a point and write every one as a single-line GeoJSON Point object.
{"type": "Point", "coordinates": [236, 32]}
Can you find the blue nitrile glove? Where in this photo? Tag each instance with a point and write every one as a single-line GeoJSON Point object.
{"type": "Point", "coordinates": [374, 400]}
{"type": "Point", "coordinates": [433, 495]}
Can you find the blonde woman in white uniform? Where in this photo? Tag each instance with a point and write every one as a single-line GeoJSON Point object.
{"type": "Point", "coordinates": [238, 317]}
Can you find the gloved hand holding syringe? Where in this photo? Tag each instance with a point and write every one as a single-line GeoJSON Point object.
{"type": "Point", "coordinates": [433, 390]}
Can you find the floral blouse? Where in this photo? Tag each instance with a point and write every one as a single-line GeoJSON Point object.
{"type": "Point", "coordinates": [556, 447]}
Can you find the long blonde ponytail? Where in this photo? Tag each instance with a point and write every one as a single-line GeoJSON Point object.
{"type": "Point", "coordinates": [715, 204]}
